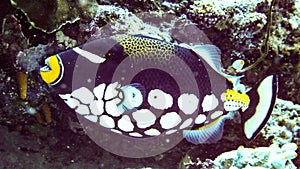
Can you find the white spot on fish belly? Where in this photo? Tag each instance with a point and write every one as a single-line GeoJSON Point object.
{"type": "Point", "coordinates": [209, 103]}
{"type": "Point", "coordinates": [71, 102]}
{"type": "Point", "coordinates": [99, 91]}
{"type": "Point", "coordinates": [152, 132]}
{"type": "Point", "coordinates": [83, 94]}
{"type": "Point", "coordinates": [188, 103]}
{"type": "Point", "coordinates": [170, 120]}
{"type": "Point", "coordinates": [159, 99]}
{"type": "Point", "coordinates": [125, 123]}
{"type": "Point", "coordinates": [186, 123]}
{"type": "Point", "coordinates": [107, 121]}
{"type": "Point", "coordinates": [200, 119]}
{"type": "Point", "coordinates": [171, 131]}
{"type": "Point", "coordinates": [97, 107]}
{"type": "Point", "coordinates": [231, 105]}
{"type": "Point", "coordinates": [112, 109]}
{"type": "Point", "coordinates": [82, 109]}
{"type": "Point", "coordinates": [144, 118]}
{"type": "Point", "coordinates": [111, 91]}
{"type": "Point", "coordinates": [135, 134]}
{"type": "Point", "coordinates": [92, 118]}
{"type": "Point", "coordinates": [116, 131]}
{"type": "Point", "coordinates": [216, 114]}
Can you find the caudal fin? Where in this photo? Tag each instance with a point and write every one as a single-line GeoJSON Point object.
{"type": "Point", "coordinates": [262, 102]}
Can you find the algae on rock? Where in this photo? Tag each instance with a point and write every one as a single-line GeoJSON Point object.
{"type": "Point", "coordinates": [50, 15]}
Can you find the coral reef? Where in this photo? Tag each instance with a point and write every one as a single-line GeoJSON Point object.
{"type": "Point", "coordinates": [52, 15]}
{"type": "Point", "coordinates": [65, 40]}
{"type": "Point", "coordinates": [284, 125]}
{"type": "Point", "coordinates": [28, 60]}
{"type": "Point", "coordinates": [187, 163]}
{"type": "Point", "coordinates": [222, 14]}
{"type": "Point", "coordinates": [134, 5]}
{"type": "Point", "coordinates": [263, 157]}
{"type": "Point", "coordinates": [12, 41]}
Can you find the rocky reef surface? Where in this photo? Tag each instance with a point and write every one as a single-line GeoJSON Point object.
{"type": "Point", "coordinates": [237, 27]}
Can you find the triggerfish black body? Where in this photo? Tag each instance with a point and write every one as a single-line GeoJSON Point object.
{"type": "Point", "coordinates": [143, 87]}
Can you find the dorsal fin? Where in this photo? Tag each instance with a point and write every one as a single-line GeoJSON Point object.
{"type": "Point", "coordinates": [150, 36]}
{"type": "Point", "coordinates": [211, 54]}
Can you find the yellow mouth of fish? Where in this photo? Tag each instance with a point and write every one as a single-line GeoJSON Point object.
{"type": "Point", "coordinates": [53, 71]}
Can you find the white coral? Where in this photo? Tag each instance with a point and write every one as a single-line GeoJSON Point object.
{"type": "Point", "coordinates": [262, 157]}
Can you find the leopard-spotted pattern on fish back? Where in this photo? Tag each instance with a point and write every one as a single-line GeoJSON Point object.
{"type": "Point", "coordinates": [139, 48]}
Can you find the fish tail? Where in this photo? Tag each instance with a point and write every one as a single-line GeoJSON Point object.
{"type": "Point", "coordinates": [262, 100]}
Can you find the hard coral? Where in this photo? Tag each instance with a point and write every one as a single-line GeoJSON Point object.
{"type": "Point", "coordinates": [263, 157]}
{"type": "Point", "coordinates": [284, 123]}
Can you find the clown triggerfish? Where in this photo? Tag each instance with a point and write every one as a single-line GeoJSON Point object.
{"type": "Point", "coordinates": [141, 87]}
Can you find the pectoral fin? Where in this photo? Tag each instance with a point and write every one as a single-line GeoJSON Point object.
{"type": "Point", "coordinates": [209, 133]}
